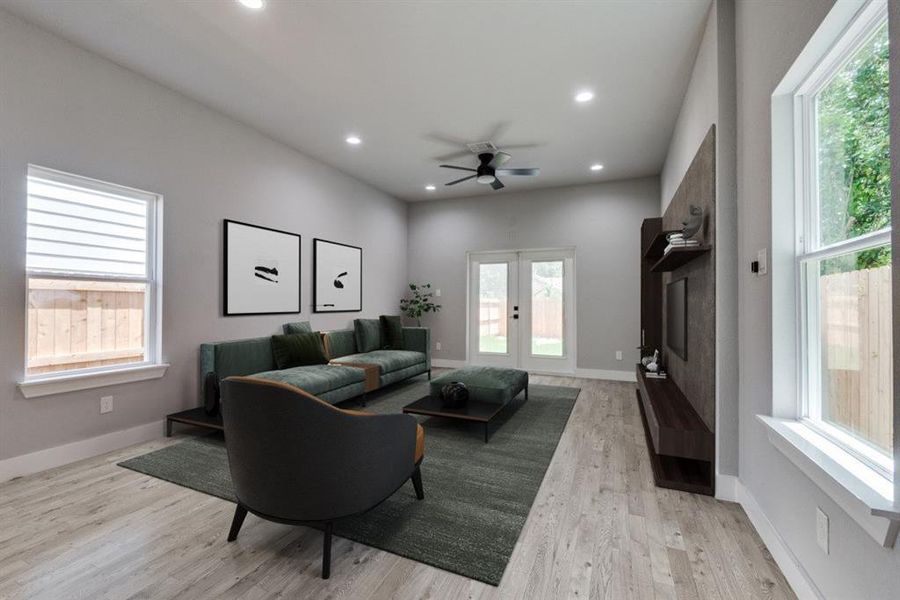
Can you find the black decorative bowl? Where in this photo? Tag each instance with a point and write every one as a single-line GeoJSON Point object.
{"type": "Point", "coordinates": [454, 395]}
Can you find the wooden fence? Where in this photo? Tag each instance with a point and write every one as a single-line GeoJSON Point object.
{"type": "Point", "coordinates": [546, 318]}
{"type": "Point", "coordinates": [79, 324]}
{"type": "Point", "coordinates": [858, 353]}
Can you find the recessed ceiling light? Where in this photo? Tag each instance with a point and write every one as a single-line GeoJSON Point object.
{"type": "Point", "coordinates": [254, 4]}
{"type": "Point", "coordinates": [430, 187]}
{"type": "Point", "coordinates": [354, 140]}
{"type": "Point", "coordinates": [597, 167]}
{"type": "Point", "coordinates": [585, 96]}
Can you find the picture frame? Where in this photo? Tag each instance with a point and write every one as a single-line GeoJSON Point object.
{"type": "Point", "coordinates": [261, 270]}
{"type": "Point", "coordinates": [337, 277]}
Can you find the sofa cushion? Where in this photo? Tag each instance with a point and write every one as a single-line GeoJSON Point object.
{"type": "Point", "coordinates": [297, 350]}
{"type": "Point", "coordinates": [392, 332]}
{"type": "Point", "coordinates": [316, 379]}
{"type": "Point", "coordinates": [387, 360]}
{"type": "Point", "coordinates": [368, 334]}
{"type": "Point", "coordinates": [340, 342]}
{"type": "Point", "coordinates": [297, 327]}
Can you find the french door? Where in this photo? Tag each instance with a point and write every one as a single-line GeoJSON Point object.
{"type": "Point", "coordinates": [522, 310]}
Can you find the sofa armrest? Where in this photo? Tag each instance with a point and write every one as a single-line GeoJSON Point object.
{"type": "Point", "coordinates": [418, 339]}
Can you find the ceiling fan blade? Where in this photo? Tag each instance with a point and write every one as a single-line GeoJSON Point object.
{"type": "Point", "coordinates": [517, 171]}
{"type": "Point", "coordinates": [459, 168]}
{"type": "Point", "coordinates": [497, 184]}
{"type": "Point", "coordinates": [461, 180]}
{"type": "Point", "coordinates": [499, 159]}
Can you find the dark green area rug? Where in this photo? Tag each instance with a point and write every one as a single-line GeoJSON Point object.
{"type": "Point", "coordinates": [477, 495]}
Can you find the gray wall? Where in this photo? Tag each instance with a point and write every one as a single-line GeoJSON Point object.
{"type": "Point", "coordinates": [699, 110]}
{"type": "Point", "coordinates": [65, 108]}
{"type": "Point", "coordinates": [602, 221]}
{"type": "Point", "coordinates": [770, 35]}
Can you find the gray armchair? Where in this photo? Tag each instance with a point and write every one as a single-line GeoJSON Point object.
{"type": "Point", "coordinates": [298, 460]}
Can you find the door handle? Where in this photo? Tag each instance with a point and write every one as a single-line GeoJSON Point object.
{"type": "Point", "coordinates": [515, 316]}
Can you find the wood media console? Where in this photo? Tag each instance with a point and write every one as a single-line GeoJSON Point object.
{"type": "Point", "coordinates": [681, 447]}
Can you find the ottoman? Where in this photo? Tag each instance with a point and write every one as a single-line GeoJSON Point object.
{"type": "Point", "coordinates": [494, 385]}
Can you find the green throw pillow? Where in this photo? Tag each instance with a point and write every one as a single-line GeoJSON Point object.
{"type": "Point", "coordinates": [297, 327]}
{"type": "Point", "coordinates": [298, 350]}
{"type": "Point", "coordinates": [393, 332]}
{"type": "Point", "coordinates": [368, 334]}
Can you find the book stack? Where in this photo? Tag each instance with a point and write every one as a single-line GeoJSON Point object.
{"type": "Point", "coordinates": [677, 240]}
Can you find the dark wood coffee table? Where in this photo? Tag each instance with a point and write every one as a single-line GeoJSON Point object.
{"type": "Point", "coordinates": [480, 412]}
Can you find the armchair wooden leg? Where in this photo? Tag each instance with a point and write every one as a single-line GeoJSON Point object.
{"type": "Point", "coordinates": [326, 551]}
{"type": "Point", "coordinates": [417, 483]}
{"type": "Point", "coordinates": [239, 513]}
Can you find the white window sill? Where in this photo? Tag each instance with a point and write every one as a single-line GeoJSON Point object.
{"type": "Point", "coordinates": [862, 492]}
{"type": "Point", "coordinates": [71, 382]}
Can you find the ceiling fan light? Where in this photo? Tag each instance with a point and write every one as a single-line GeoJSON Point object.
{"type": "Point", "coordinates": [485, 178]}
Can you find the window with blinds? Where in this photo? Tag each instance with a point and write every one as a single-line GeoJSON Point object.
{"type": "Point", "coordinates": [91, 264]}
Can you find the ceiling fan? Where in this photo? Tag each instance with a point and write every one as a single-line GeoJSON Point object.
{"type": "Point", "coordinates": [489, 169]}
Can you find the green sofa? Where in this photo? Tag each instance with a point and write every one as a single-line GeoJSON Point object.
{"type": "Point", "coordinates": [394, 364]}
{"type": "Point", "coordinates": [332, 382]}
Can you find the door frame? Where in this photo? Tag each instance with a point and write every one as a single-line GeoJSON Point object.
{"type": "Point", "coordinates": [568, 364]}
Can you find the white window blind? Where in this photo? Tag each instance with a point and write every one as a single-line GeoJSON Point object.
{"type": "Point", "coordinates": [101, 230]}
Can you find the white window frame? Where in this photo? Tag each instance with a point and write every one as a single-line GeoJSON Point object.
{"type": "Point", "coordinates": [152, 367]}
{"type": "Point", "coordinates": [809, 250]}
{"type": "Point", "coordinates": [827, 456]}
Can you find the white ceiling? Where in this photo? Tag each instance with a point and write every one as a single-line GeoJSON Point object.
{"type": "Point", "coordinates": [412, 79]}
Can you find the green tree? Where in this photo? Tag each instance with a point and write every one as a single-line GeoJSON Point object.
{"type": "Point", "coordinates": [853, 120]}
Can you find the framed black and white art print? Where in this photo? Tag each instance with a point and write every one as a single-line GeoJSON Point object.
{"type": "Point", "coordinates": [337, 277]}
{"type": "Point", "coordinates": [262, 270]}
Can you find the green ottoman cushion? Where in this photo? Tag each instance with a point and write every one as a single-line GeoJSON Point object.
{"type": "Point", "coordinates": [486, 384]}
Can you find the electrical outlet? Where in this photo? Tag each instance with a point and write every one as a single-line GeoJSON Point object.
{"type": "Point", "coordinates": [822, 529]}
{"type": "Point", "coordinates": [618, 355]}
{"type": "Point", "coordinates": [437, 345]}
{"type": "Point", "coordinates": [762, 263]}
{"type": "Point", "coordinates": [106, 405]}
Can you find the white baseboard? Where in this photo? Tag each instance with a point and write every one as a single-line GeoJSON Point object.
{"type": "Point", "coordinates": [795, 574]}
{"type": "Point", "coordinates": [607, 374]}
{"type": "Point", "coordinates": [726, 487]}
{"type": "Point", "coordinates": [35, 462]}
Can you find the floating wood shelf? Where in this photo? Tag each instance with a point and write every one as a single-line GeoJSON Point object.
{"type": "Point", "coordinates": [680, 445]}
{"type": "Point", "coordinates": [678, 257]}
{"type": "Point", "coordinates": [655, 249]}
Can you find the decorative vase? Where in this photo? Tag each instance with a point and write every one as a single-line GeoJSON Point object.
{"type": "Point", "coordinates": [454, 395]}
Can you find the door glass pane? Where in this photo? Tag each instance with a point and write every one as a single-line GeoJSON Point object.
{"type": "Point", "coordinates": [856, 362]}
{"type": "Point", "coordinates": [492, 303]}
{"type": "Point", "coordinates": [853, 145]}
{"type": "Point", "coordinates": [547, 308]}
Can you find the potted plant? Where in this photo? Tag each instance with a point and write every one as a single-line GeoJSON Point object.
{"type": "Point", "coordinates": [419, 303]}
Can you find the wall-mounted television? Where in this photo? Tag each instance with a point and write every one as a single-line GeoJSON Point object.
{"type": "Point", "coordinates": [676, 317]}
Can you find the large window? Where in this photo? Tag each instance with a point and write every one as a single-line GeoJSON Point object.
{"type": "Point", "coordinates": [844, 250]}
{"type": "Point", "coordinates": [92, 275]}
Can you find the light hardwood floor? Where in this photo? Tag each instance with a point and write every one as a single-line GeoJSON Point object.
{"type": "Point", "coordinates": [598, 529]}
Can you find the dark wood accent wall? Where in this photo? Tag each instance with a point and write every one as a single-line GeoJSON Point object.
{"type": "Point", "coordinates": [696, 376]}
{"type": "Point", "coordinates": [651, 289]}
